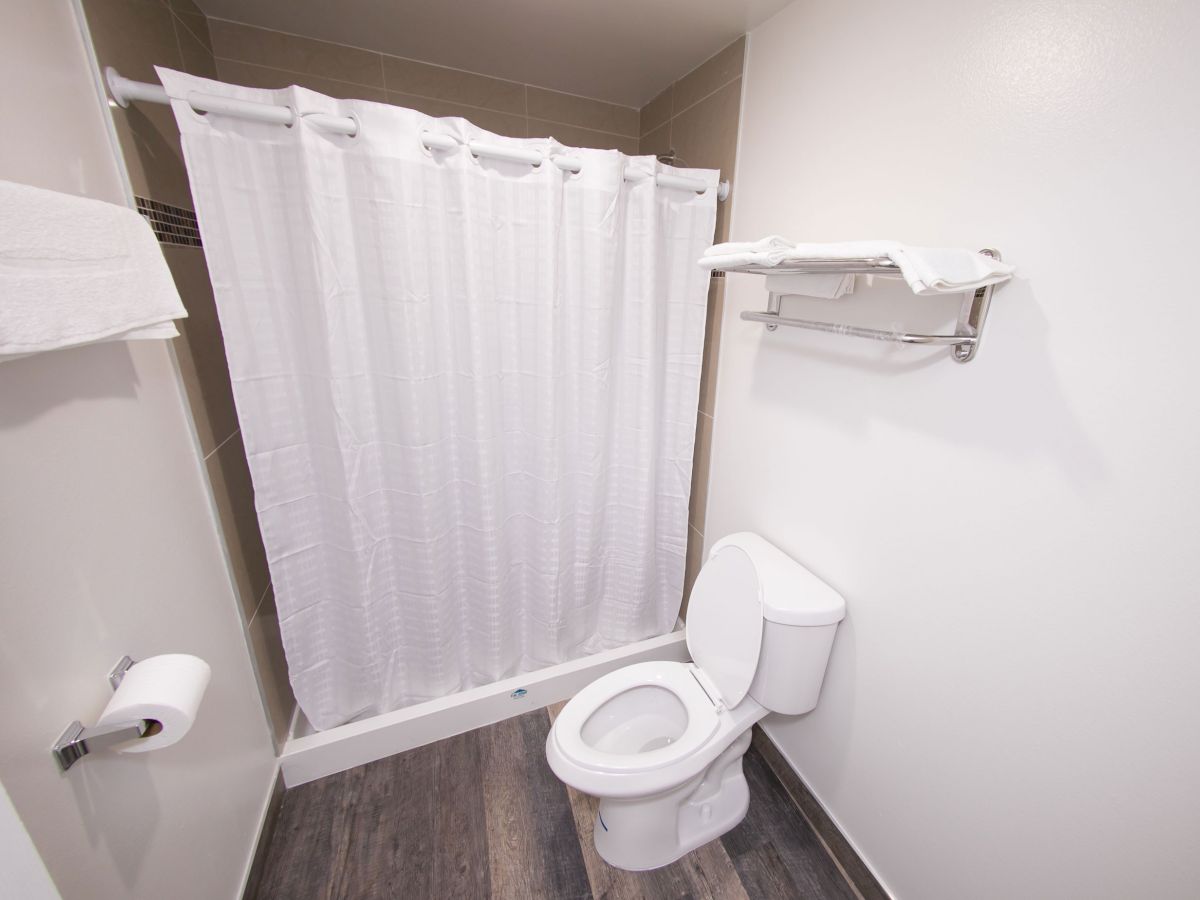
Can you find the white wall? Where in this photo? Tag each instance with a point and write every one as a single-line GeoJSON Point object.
{"type": "Point", "coordinates": [1012, 705]}
{"type": "Point", "coordinates": [108, 545]}
{"type": "Point", "coordinates": [22, 872]}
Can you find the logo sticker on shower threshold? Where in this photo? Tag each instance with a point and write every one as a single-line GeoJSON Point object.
{"type": "Point", "coordinates": [518, 693]}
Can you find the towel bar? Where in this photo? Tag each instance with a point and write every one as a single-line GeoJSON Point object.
{"type": "Point", "coordinates": [967, 331]}
{"type": "Point", "coordinates": [773, 320]}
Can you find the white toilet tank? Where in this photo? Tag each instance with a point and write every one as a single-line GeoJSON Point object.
{"type": "Point", "coordinates": [800, 615]}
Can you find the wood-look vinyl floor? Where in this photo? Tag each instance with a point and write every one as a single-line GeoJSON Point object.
{"type": "Point", "coordinates": [481, 815]}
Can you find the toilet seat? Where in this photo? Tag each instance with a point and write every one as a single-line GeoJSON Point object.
{"type": "Point", "coordinates": [677, 678]}
{"type": "Point", "coordinates": [724, 637]}
{"type": "Point", "coordinates": [710, 729]}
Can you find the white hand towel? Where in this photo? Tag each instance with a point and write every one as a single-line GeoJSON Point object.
{"type": "Point", "coordinates": [826, 287]}
{"type": "Point", "coordinates": [928, 270]}
{"type": "Point", "coordinates": [770, 251]}
{"type": "Point", "coordinates": [78, 271]}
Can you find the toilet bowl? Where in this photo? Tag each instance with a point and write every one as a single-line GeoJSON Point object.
{"type": "Point", "coordinates": [661, 743]}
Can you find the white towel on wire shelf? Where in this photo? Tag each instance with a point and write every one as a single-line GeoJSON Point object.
{"type": "Point", "coordinates": [78, 271]}
{"type": "Point", "coordinates": [928, 270]}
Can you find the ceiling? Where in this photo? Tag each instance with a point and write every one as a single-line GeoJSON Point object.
{"type": "Point", "coordinates": [623, 51]}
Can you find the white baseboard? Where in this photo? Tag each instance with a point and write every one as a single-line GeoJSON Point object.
{"type": "Point", "coordinates": [310, 756]}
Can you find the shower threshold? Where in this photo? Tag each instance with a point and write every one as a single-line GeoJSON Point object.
{"type": "Point", "coordinates": [310, 754]}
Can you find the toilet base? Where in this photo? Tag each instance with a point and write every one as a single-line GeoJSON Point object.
{"type": "Point", "coordinates": [650, 832]}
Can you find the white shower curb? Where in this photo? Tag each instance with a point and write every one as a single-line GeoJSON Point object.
{"type": "Point", "coordinates": [309, 757]}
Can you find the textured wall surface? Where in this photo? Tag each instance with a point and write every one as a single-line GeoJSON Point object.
{"type": "Point", "coordinates": [109, 545]}
{"type": "Point", "coordinates": [1011, 706]}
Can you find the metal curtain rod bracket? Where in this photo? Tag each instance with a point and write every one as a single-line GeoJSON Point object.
{"type": "Point", "coordinates": [125, 90]}
{"type": "Point", "coordinates": [967, 331]}
{"type": "Point", "coordinates": [76, 742]}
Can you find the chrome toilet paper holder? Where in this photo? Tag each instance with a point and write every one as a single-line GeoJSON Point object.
{"type": "Point", "coordinates": [76, 742]}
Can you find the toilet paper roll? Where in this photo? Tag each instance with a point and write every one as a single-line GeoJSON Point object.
{"type": "Point", "coordinates": [164, 689]}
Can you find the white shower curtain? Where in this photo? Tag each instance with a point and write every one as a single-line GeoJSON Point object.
{"type": "Point", "coordinates": [467, 391]}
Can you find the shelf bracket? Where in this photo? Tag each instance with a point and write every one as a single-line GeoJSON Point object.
{"type": "Point", "coordinates": [972, 316]}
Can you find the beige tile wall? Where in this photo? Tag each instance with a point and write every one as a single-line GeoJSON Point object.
{"type": "Point", "coordinates": [697, 119]}
{"type": "Point", "coordinates": [133, 36]}
{"type": "Point", "coordinates": [257, 57]}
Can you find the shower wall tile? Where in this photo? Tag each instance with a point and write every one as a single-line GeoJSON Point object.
{"type": "Point", "coordinates": [271, 666]}
{"type": "Point", "coordinates": [149, 140]}
{"type": "Point", "coordinates": [712, 344]}
{"type": "Point", "coordinates": [574, 136]}
{"type": "Point", "coordinates": [657, 112]}
{"type": "Point", "coordinates": [233, 493]}
{"type": "Point", "coordinates": [656, 142]}
{"type": "Point", "coordinates": [703, 125]}
{"type": "Point", "coordinates": [691, 568]}
{"type": "Point", "coordinates": [407, 76]}
{"type": "Point", "coordinates": [555, 106]}
{"type": "Point", "coordinates": [304, 56]}
{"type": "Point", "coordinates": [705, 135]}
{"type": "Point", "coordinates": [257, 57]}
{"type": "Point", "coordinates": [498, 122]}
{"type": "Point", "coordinates": [250, 75]}
{"type": "Point", "coordinates": [709, 76]}
{"type": "Point", "coordinates": [133, 36]}
{"type": "Point", "coordinates": [146, 22]}
{"type": "Point", "coordinates": [700, 461]}
{"type": "Point", "coordinates": [201, 352]}
{"type": "Point", "coordinates": [195, 54]}
{"type": "Point", "coordinates": [183, 7]}
{"type": "Point", "coordinates": [697, 118]}
{"type": "Point", "coordinates": [189, 15]}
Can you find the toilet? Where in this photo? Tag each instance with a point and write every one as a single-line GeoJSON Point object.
{"type": "Point", "coordinates": [661, 743]}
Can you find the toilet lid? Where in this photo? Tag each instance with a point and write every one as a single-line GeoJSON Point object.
{"type": "Point", "coordinates": [725, 622]}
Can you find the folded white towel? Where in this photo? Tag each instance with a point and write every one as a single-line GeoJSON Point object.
{"type": "Point", "coordinates": [826, 287]}
{"type": "Point", "coordinates": [770, 250]}
{"type": "Point", "coordinates": [77, 271]}
{"type": "Point", "coordinates": [928, 270]}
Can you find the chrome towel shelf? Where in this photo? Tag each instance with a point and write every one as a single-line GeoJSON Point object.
{"type": "Point", "coordinates": [967, 331]}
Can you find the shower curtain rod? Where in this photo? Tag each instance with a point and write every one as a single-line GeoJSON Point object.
{"type": "Point", "coordinates": [125, 90]}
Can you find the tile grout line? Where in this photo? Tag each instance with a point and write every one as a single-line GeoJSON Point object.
{"type": "Point", "coordinates": [391, 90]}
{"type": "Point", "coordinates": [665, 123]}
{"type": "Point", "coordinates": [706, 96]}
{"type": "Point", "coordinates": [175, 31]}
{"type": "Point", "coordinates": [258, 605]}
{"type": "Point", "coordinates": [179, 19]}
{"type": "Point", "coordinates": [696, 68]}
{"type": "Point", "coordinates": [671, 119]}
{"type": "Point", "coordinates": [213, 451]}
{"type": "Point", "coordinates": [426, 62]}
